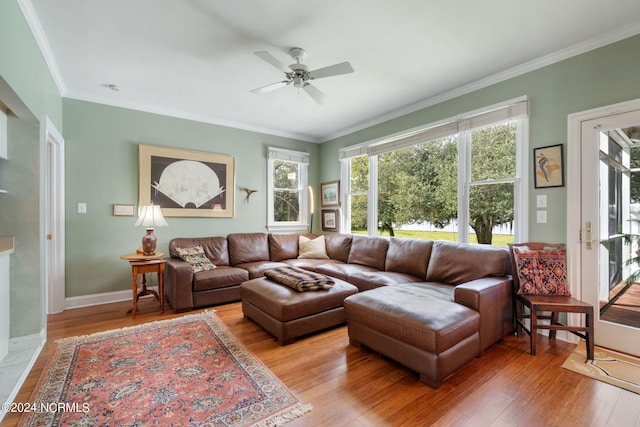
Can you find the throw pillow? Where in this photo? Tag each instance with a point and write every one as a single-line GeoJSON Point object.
{"type": "Point", "coordinates": [541, 272]}
{"type": "Point", "coordinates": [312, 248]}
{"type": "Point", "coordinates": [196, 258]}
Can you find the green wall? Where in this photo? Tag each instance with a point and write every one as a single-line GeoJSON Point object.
{"type": "Point", "coordinates": [102, 169]}
{"type": "Point", "coordinates": [25, 73]}
{"type": "Point", "coordinates": [597, 78]}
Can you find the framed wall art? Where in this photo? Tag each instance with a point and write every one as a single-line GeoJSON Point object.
{"type": "Point", "coordinates": [548, 166]}
{"type": "Point", "coordinates": [330, 193]}
{"type": "Point", "coordinates": [187, 183]}
{"type": "Point", "coordinates": [330, 219]}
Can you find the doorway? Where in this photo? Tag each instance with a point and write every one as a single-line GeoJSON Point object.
{"type": "Point", "coordinates": [604, 193]}
{"type": "Point", "coordinates": [54, 218]}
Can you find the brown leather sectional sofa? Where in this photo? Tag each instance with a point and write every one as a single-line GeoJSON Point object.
{"type": "Point", "coordinates": [431, 305]}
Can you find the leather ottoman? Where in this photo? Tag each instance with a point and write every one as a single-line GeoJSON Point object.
{"type": "Point", "coordinates": [287, 313]}
{"type": "Point", "coordinates": [407, 323]}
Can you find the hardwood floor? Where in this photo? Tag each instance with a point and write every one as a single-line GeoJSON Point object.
{"type": "Point", "coordinates": [347, 386]}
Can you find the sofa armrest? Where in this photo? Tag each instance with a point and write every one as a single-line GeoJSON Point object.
{"type": "Point", "coordinates": [178, 284]}
{"type": "Point", "coordinates": [492, 298]}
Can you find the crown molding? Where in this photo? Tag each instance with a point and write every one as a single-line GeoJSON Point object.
{"type": "Point", "coordinates": [31, 17]}
{"type": "Point", "coordinates": [34, 24]}
{"type": "Point", "coordinates": [203, 118]}
{"type": "Point", "coordinates": [575, 50]}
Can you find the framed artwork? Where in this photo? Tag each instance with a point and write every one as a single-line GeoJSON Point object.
{"type": "Point", "coordinates": [330, 193]}
{"type": "Point", "coordinates": [123, 210]}
{"type": "Point", "coordinates": [330, 219]}
{"type": "Point", "coordinates": [548, 166]}
{"type": "Point", "coordinates": [187, 183]}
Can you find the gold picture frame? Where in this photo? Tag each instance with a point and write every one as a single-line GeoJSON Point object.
{"type": "Point", "coordinates": [187, 183]}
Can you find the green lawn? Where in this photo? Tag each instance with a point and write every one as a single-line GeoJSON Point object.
{"type": "Point", "coordinates": [498, 239]}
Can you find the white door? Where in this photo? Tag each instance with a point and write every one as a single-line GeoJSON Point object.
{"type": "Point", "coordinates": [54, 218]}
{"type": "Point", "coordinates": [607, 150]}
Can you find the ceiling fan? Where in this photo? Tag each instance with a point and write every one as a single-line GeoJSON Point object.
{"type": "Point", "coordinates": [299, 75]}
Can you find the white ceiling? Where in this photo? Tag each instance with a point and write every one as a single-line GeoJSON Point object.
{"type": "Point", "coordinates": [194, 58]}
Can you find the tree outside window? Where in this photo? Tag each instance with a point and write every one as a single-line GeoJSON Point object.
{"type": "Point", "coordinates": [418, 186]}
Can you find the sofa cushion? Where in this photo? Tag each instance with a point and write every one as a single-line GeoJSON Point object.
{"type": "Point", "coordinates": [221, 277]}
{"type": "Point", "coordinates": [215, 248]}
{"type": "Point", "coordinates": [257, 269]}
{"type": "Point", "coordinates": [369, 251]}
{"type": "Point", "coordinates": [456, 263]}
{"type": "Point", "coordinates": [311, 264]}
{"type": "Point", "coordinates": [283, 246]}
{"type": "Point", "coordinates": [408, 314]}
{"type": "Point", "coordinates": [248, 247]}
{"type": "Point", "coordinates": [342, 271]}
{"type": "Point", "coordinates": [312, 248]}
{"type": "Point", "coordinates": [410, 256]}
{"type": "Point", "coordinates": [338, 246]}
{"type": "Point", "coordinates": [365, 280]}
{"type": "Point", "coordinates": [196, 258]}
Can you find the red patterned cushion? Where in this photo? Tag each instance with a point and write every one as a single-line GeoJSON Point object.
{"type": "Point", "coordinates": [541, 272]}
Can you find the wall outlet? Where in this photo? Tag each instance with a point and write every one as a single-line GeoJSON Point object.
{"type": "Point", "coordinates": [82, 208]}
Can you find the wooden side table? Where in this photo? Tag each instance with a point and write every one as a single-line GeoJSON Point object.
{"type": "Point", "coordinates": [142, 264]}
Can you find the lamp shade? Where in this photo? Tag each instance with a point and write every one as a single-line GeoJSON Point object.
{"type": "Point", "coordinates": [150, 217]}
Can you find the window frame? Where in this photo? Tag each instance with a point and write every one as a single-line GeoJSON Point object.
{"type": "Point", "coordinates": [462, 125]}
{"type": "Point", "coordinates": [302, 160]}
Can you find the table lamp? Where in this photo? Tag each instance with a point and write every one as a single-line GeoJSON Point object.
{"type": "Point", "coordinates": [150, 216]}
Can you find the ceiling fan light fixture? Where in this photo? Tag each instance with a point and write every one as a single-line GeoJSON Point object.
{"type": "Point", "coordinates": [298, 74]}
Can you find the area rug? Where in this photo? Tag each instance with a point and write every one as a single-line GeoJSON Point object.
{"type": "Point", "coordinates": [608, 366]}
{"type": "Point", "coordinates": [188, 371]}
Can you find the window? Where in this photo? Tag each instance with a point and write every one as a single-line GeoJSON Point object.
{"type": "Point", "coordinates": [357, 194]}
{"type": "Point", "coordinates": [429, 182]}
{"type": "Point", "coordinates": [287, 190]}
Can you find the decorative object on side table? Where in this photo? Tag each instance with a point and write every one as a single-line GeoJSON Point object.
{"type": "Point", "coordinates": [150, 217]}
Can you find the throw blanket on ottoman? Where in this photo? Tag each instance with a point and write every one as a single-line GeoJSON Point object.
{"type": "Point", "coordinates": [299, 279]}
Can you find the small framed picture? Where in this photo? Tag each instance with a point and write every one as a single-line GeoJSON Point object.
{"type": "Point", "coordinates": [123, 210]}
{"type": "Point", "coordinates": [548, 166]}
{"type": "Point", "coordinates": [330, 193]}
{"type": "Point", "coordinates": [330, 219]}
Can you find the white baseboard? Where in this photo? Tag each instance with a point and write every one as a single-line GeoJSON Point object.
{"type": "Point", "coordinates": [97, 299]}
{"type": "Point", "coordinates": [28, 341]}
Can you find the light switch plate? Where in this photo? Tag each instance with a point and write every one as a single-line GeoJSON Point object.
{"type": "Point", "coordinates": [541, 201]}
{"type": "Point", "coordinates": [541, 217]}
{"type": "Point", "coordinates": [82, 208]}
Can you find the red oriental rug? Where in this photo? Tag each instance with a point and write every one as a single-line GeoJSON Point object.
{"type": "Point", "coordinates": [188, 371]}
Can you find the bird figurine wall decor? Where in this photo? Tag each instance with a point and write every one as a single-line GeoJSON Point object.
{"type": "Point", "coordinates": [249, 193]}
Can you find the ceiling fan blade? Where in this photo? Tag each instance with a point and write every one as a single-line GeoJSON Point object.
{"type": "Point", "coordinates": [315, 93]}
{"type": "Point", "coordinates": [332, 70]}
{"type": "Point", "coordinates": [267, 57]}
{"type": "Point", "coordinates": [269, 88]}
